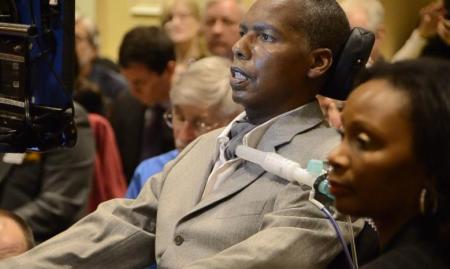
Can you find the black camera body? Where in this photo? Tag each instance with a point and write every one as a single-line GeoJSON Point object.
{"type": "Point", "coordinates": [36, 75]}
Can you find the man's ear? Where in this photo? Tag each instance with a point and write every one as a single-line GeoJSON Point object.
{"type": "Point", "coordinates": [321, 60]}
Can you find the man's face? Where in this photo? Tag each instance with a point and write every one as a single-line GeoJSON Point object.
{"type": "Point", "coordinates": [271, 61]}
{"type": "Point", "coordinates": [146, 85]}
{"type": "Point", "coordinates": [189, 122]}
{"type": "Point", "coordinates": [221, 27]}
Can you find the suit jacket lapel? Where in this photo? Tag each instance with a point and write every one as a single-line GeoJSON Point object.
{"type": "Point", "coordinates": [281, 132]}
{"type": "Point", "coordinates": [284, 129]}
{"type": "Point", "coordinates": [239, 179]}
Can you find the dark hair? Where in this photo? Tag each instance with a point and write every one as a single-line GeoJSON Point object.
{"type": "Point", "coordinates": [427, 84]}
{"type": "Point", "coordinates": [324, 23]}
{"type": "Point", "coordinates": [149, 46]}
{"type": "Point", "coordinates": [28, 234]}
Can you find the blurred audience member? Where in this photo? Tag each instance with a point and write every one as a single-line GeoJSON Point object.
{"type": "Point", "coordinates": [87, 93]}
{"type": "Point", "coordinates": [147, 60]}
{"type": "Point", "coordinates": [108, 180]}
{"type": "Point", "coordinates": [331, 109]}
{"type": "Point", "coordinates": [49, 190]}
{"type": "Point", "coordinates": [431, 38]}
{"type": "Point", "coordinates": [221, 25]}
{"type": "Point", "coordinates": [100, 71]}
{"type": "Point", "coordinates": [201, 101]}
{"type": "Point", "coordinates": [367, 14]}
{"type": "Point", "coordinates": [16, 236]}
{"type": "Point", "coordinates": [392, 163]}
{"type": "Point", "coordinates": [181, 20]}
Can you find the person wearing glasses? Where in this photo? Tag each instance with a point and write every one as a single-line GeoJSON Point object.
{"type": "Point", "coordinates": [201, 101]}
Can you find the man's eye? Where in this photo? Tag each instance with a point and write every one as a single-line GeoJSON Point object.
{"type": "Point", "coordinates": [266, 37]}
{"type": "Point", "coordinates": [241, 33]}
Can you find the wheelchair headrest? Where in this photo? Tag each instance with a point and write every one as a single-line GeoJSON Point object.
{"type": "Point", "coordinates": [350, 61]}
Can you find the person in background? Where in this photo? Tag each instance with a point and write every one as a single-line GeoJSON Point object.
{"type": "Point", "coordinates": [181, 20]}
{"type": "Point", "coordinates": [367, 14]}
{"type": "Point", "coordinates": [16, 236]}
{"type": "Point", "coordinates": [147, 60]}
{"type": "Point", "coordinates": [392, 163]}
{"type": "Point", "coordinates": [100, 71]}
{"type": "Point", "coordinates": [431, 38]}
{"type": "Point", "coordinates": [221, 25]}
{"type": "Point", "coordinates": [49, 190]}
{"type": "Point", "coordinates": [201, 101]}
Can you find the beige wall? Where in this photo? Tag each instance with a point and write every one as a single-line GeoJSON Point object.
{"type": "Point", "coordinates": [401, 19]}
{"type": "Point", "coordinates": [114, 19]}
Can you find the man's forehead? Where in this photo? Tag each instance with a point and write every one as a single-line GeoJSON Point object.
{"type": "Point", "coordinates": [282, 15]}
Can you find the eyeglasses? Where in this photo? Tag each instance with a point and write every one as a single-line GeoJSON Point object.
{"type": "Point", "coordinates": [199, 125]}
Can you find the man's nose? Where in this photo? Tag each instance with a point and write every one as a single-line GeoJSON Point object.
{"type": "Point", "coordinates": [187, 133]}
{"type": "Point", "coordinates": [241, 49]}
{"type": "Point", "coordinates": [217, 27]}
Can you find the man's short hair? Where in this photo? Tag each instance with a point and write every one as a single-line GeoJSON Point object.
{"type": "Point", "coordinates": [27, 233]}
{"type": "Point", "coordinates": [324, 23]}
{"type": "Point", "coordinates": [374, 9]}
{"type": "Point", "coordinates": [147, 45]}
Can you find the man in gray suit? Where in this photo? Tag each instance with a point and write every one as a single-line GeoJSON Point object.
{"type": "Point", "coordinates": [210, 209]}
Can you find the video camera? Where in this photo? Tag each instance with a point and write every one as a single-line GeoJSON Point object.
{"type": "Point", "coordinates": [36, 75]}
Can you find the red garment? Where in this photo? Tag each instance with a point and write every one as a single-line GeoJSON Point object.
{"type": "Point", "coordinates": [109, 179]}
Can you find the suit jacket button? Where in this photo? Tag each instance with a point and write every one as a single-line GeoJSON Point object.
{"type": "Point", "coordinates": [179, 240]}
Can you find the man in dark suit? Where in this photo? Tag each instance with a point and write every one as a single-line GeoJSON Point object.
{"type": "Point", "coordinates": [147, 60]}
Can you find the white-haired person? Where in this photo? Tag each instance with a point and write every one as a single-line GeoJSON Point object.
{"type": "Point", "coordinates": [201, 101]}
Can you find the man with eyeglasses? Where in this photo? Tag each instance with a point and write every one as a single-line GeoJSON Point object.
{"type": "Point", "coordinates": [201, 101]}
{"type": "Point", "coordinates": [147, 60]}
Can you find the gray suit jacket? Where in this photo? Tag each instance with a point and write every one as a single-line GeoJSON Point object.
{"type": "Point", "coordinates": [254, 219]}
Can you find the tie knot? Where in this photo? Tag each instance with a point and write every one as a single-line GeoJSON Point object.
{"type": "Point", "coordinates": [237, 132]}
